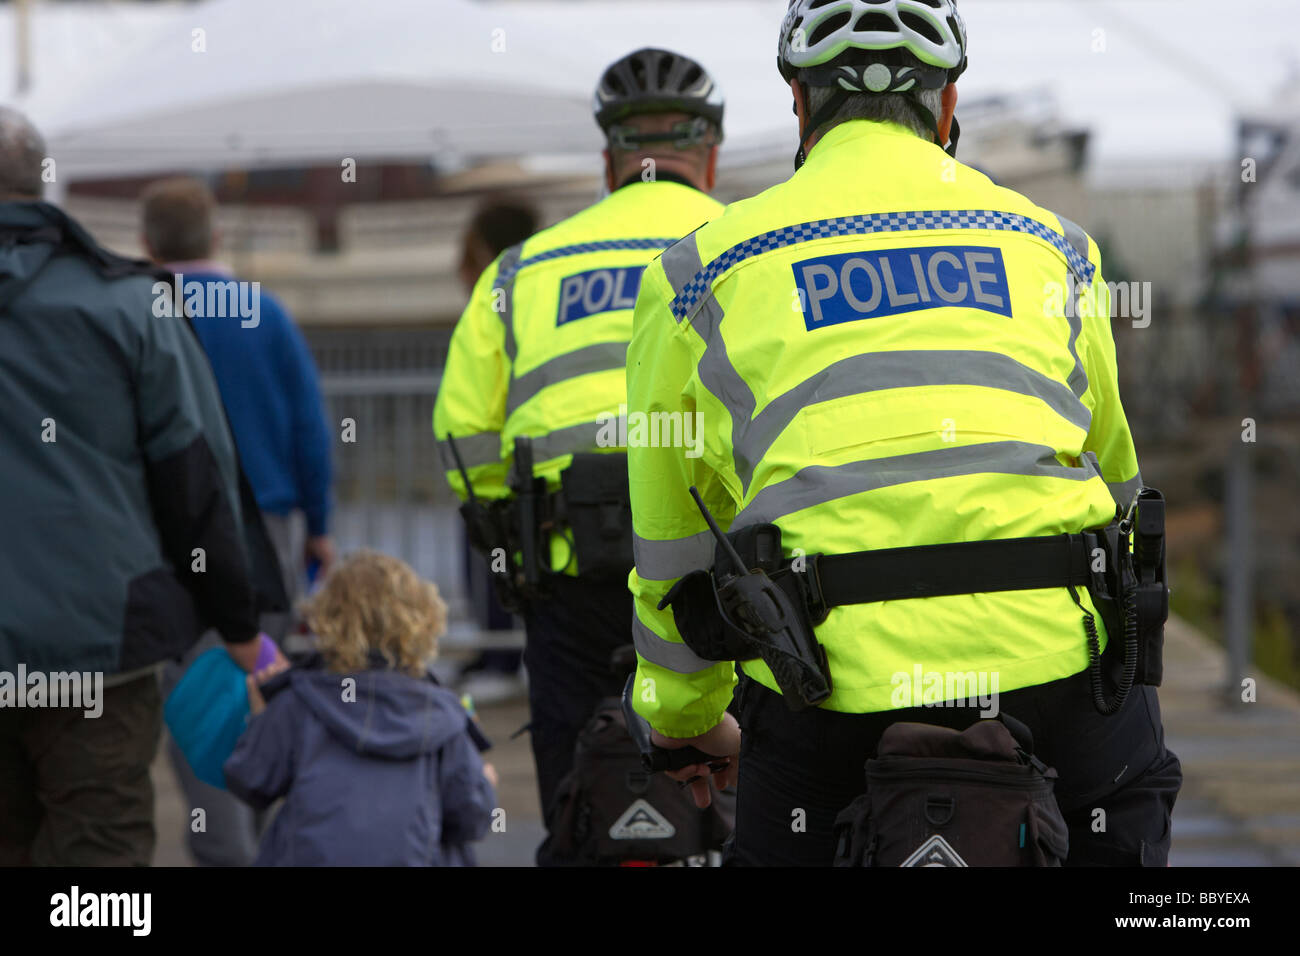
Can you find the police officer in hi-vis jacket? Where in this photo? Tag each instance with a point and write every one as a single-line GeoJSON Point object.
{"type": "Point", "coordinates": [868, 348]}
{"type": "Point", "coordinates": [539, 356]}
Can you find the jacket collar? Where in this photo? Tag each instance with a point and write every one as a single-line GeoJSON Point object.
{"type": "Point", "coordinates": [660, 177]}
{"type": "Point", "coordinates": [55, 226]}
{"type": "Point", "coordinates": [27, 212]}
{"type": "Point", "coordinates": [854, 135]}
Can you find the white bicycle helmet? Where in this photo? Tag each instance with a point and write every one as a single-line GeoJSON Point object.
{"type": "Point", "coordinates": [874, 47]}
{"type": "Point", "coordinates": [819, 33]}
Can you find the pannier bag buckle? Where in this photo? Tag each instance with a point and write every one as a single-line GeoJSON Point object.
{"type": "Point", "coordinates": [939, 810]}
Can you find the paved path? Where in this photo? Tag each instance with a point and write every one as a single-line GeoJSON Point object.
{"type": "Point", "coordinates": [1240, 804]}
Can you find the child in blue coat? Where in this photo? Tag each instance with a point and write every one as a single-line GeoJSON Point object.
{"type": "Point", "coordinates": [376, 763]}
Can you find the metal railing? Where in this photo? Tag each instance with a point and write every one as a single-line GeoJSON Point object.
{"type": "Point", "coordinates": [389, 490]}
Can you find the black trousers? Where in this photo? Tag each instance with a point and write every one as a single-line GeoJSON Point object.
{"type": "Point", "coordinates": [76, 791]}
{"type": "Point", "coordinates": [814, 762]}
{"type": "Point", "coordinates": [570, 640]}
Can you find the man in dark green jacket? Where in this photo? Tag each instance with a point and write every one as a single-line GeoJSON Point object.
{"type": "Point", "coordinates": [125, 532]}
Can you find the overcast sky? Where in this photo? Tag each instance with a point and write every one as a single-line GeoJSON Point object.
{"type": "Point", "coordinates": [1151, 79]}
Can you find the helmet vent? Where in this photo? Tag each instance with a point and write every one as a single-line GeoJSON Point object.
{"type": "Point", "coordinates": [819, 3]}
{"type": "Point", "coordinates": [827, 27]}
{"type": "Point", "coordinates": [662, 69]}
{"type": "Point", "coordinates": [922, 26]}
{"type": "Point", "coordinates": [875, 21]}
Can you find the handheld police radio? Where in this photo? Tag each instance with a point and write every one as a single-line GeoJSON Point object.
{"type": "Point", "coordinates": [778, 632]}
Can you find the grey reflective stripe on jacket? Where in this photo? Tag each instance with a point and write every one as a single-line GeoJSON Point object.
{"type": "Point", "coordinates": [667, 560]}
{"type": "Point", "coordinates": [672, 655]}
{"type": "Point", "coordinates": [818, 484]}
{"type": "Point", "coordinates": [566, 441]}
{"type": "Point", "coordinates": [601, 357]}
{"type": "Point", "coordinates": [1078, 240]}
{"type": "Point", "coordinates": [503, 285]}
{"type": "Point", "coordinates": [873, 371]}
{"type": "Point", "coordinates": [682, 266]}
{"type": "Point", "coordinates": [483, 448]}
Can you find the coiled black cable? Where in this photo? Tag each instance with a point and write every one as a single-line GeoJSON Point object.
{"type": "Point", "coordinates": [1128, 604]}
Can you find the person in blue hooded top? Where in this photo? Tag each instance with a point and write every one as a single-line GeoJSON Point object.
{"type": "Point", "coordinates": [377, 765]}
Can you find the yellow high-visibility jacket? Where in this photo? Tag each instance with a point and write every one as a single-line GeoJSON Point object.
{"type": "Point", "coordinates": [540, 350]}
{"type": "Point", "coordinates": [887, 350]}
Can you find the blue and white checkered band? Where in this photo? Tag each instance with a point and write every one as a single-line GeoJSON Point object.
{"type": "Point", "coordinates": [695, 291]}
{"type": "Point", "coordinates": [506, 275]}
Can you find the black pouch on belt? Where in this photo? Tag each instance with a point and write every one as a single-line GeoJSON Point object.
{"type": "Point", "coordinates": [1129, 588]}
{"type": "Point", "coordinates": [1152, 588]}
{"type": "Point", "coordinates": [939, 797]}
{"type": "Point", "coordinates": [598, 511]}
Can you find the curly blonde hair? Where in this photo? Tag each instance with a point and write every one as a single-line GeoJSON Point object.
{"type": "Point", "coordinates": [375, 602]}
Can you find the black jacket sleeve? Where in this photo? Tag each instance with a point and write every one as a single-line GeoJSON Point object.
{"type": "Point", "coordinates": [194, 475]}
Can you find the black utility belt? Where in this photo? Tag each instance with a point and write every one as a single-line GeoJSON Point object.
{"type": "Point", "coordinates": [591, 510]}
{"type": "Point", "coordinates": [758, 603]}
{"type": "Point", "coordinates": [895, 574]}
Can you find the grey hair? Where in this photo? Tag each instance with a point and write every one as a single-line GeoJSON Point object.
{"type": "Point", "coordinates": [22, 156]}
{"type": "Point", "coordinates": [891, 107]}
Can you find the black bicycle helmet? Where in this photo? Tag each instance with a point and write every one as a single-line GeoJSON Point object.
{"type": "Point", "coordinates": [657, 81]}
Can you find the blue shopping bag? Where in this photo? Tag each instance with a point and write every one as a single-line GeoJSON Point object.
{"type": "Point", "coordinates": [207, 711]}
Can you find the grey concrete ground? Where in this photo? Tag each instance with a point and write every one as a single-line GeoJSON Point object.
{"type": "Point", "coordinates": [1240, 804]}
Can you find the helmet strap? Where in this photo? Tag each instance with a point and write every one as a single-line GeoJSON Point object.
{"type": "Point", "coordinates": [832, 106]}
{"type": "Point", "coordinates": [829, 109]}
{"type": "Point", "coordinates": [687, 134]}
{"type": "Point", "coordinates": [926, 117]}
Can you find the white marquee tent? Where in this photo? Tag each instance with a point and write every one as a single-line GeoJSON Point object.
{"type": "Point", "coordinates": [257, 82]}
